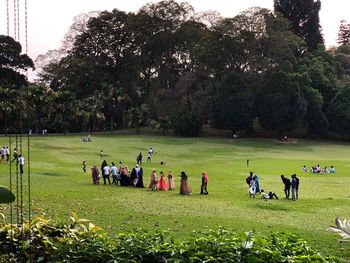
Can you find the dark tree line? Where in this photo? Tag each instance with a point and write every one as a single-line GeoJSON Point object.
{"type": "Point", "coordinates": [170, 67]}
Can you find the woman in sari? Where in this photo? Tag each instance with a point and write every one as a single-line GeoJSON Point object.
{"type": "Point", "coordinates": [153, 183]}
{"type": "Point", "coordinates": [185, 189]}
{"type": "Point", "coordinates": [171, 185]}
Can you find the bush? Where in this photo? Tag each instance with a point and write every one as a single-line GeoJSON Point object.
{"type": "Point", "coordinates": [186, 123]}
{"type": "Point", "coordinates": [81, 241]}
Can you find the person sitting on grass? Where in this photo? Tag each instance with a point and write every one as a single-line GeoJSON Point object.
{"type": "Point", "coordinates": [270, 195]}
{"type": "Point", "coordinates": [332, 170]}
{"type": "Point", "coordinates": [304, 169]}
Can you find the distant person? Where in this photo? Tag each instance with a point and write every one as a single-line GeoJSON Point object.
{"type": "Point", "coordinates": [102, 155]}
{"type": "Point", "coordinates": [114, 172]}
{"type": "Point", "coordinates": [139, 159]}
{"type": "Point", "coordinates": [171, 185]}
{"type": "Point", "coordinates": [287, 185]}
{"type": "Point", "coordinates": [325, 169]}
{"type": "Point", "coordinates": [295, 187]}
{"type": "Point", "coordinates": [7, 154]}
{"type": "Point", "coordinates": [95, 175]}
{"type": "Point", "coordinates": [257, 184]}
{"type": "Point", "coordinates": [204, 185]}
{"type": "Point", "coordinates": [270, 195]}
{"type": "Point", "coordinates": [153, 183]}
{"type": "Point", "coordinates": [15, 154]}
{"type": "Point", "coordinates": [106, 172]}
{"type": "Point", "coordinates": [162, 184]}
{"type": "Point", "coordinates": [185, 189]}
{"type": "Point", "coordinates": [304, 169]}
{"type": "Point", "coordinates": [3, 153]}
{"type": "Point", "coordinates": [318, 169]}
{"type": "Point", "coordinates": [149, 157]}
{"type": "Point", "coordinates": [249, 179]}
{"type": "Point", "coordinates": [84, 166]}
{"type": "Point", "coordinates": [21, 163]}
{"type": "Point", "coordinates": [332, 170]}
{"type": "Point", "coordinates": [137, 170]}
{"type": "Point", "coordinates": [140, 179]}
{"type": "Point", "coordinates": [247, 162]}
{"type": "Point", "coordinates": [252, 188]}
{"type": "Point", "coordinates": [133, 176]}
{"type": "Point", "coordinates": [151, 151]}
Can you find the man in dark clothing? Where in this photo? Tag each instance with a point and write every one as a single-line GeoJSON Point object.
{"type": "Point", "coordinates": [295, 181]}
{"type": "Point", "coordinates": [249, 178]}
{"type": "Point", "coordinates": [139, 159]}
{"type": "Point", "coordinates": [287, 185]}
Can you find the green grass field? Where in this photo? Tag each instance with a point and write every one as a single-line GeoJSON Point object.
{"type": "Point", "coordinates": [59, 185]}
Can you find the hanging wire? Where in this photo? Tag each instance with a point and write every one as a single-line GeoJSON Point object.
{"type": "Point", "coordinates": [8, 17]}
{"type": "Point", "coordinates": [18, 20]}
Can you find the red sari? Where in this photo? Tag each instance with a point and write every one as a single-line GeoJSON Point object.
{"type": "Point", "coordinates": [162, 184]}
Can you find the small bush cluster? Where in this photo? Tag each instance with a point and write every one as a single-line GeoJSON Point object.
{"type": "Point", "coordinates": [81, 241]}
{"type": "Point", "coordinates": [186, 123]}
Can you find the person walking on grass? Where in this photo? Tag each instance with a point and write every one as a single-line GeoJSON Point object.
{"type": "Point", "coordinates": [171, 185]}
{"type": "Point", "coordinates": [114, 172]}
{"type": "Point", "coordinates": [204, 185]}
{"type": "Point", "coordinates": [105, 172]}
{"type": "Point", "coordinates": [7, 154]}
{"type": "Point", "coordinates": [287, 185]}
{"type": "Point", "coordinates": [295, 187]}
{"type": "Point", "coordinates": [84, 166]}
{"type": "Point", "coordinates": [139, 159]}
{"type": "Point", "coordinates": [15, 154]}
{"type": "Point", "coordinates": [185, 189]}
{"type": "Point", "coordinates": [95, 175]}
{"type": "Point", "coordinates": [3, 153]}
{"type": "Point", "coordinates": [21, 163]}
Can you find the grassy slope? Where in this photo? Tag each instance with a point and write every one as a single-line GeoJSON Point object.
{"type": "Point", "coordinates": [59, 185]}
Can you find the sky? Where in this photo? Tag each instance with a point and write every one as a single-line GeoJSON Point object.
{"type": "Point", "coordinates": [49, 20]}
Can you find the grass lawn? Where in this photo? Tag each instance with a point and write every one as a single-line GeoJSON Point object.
{"type": "Point", "coordinates": [59, 185]}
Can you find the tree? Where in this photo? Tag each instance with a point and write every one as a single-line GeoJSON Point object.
{"type": "Point", "coordinates": [280, 102]}
{"type": "Point", "coordinates": [304, 16]}
{"type": "Point", "coordinates": [137, 116]}
{"type": "Point", "coordinates": [185, 122]}
{"type": "Point", "coordinates": [12, 61]}
{"type": "Point", "coordinates": [338, 112]}
{"type": "Point", "coordinates": [232, 108]}
{"type": "Point", "coordinates": [344, 33]}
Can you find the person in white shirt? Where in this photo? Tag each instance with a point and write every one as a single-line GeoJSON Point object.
{"type": "Point", "coordinates": [114, 173]}
{"type": "Point", "coordinates": [270, 195]}
{"type": "Point", "coordinates": [106, 172]}
{"type": "Point", "coordinates": [21, 163]}
{"type": "Point", "coordinates": [7, 154]}
{"type": "Point", "coordinates": [3, 153]}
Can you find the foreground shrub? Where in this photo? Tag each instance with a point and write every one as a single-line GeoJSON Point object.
{"type": "Point", "coordinates": [81, 241]}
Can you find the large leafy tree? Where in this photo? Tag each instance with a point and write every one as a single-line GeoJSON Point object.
{"type": "Point", "coordinates": [232, 108]}
{"type": "Point", "coordinates": [304, 16]}
{"type": "Point", "coordinates": [339, 112]}
{"type": "Point", "coordinates": [12, 61]}
{"type": "Point", "coordinates": [280, 102]}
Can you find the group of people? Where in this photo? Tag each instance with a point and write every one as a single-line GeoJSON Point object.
{"type": "Point", "coordinates": [120, 175]}
{"type": "Point", "coordinates": [5, 156]}
{"type": "Point", "coordinates": [318, 169]}
{"type": "Point", "coordinates": [185, 189]}
{"type": "Point", "coordinates": [254, 187]}
{"type": "Point", "coordinates": [294, 184]}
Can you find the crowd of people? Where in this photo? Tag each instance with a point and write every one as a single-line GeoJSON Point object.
{"type": "Point", "coordinates": [18, 157]}
{"type": "Point", "coordinates": [122, 176]}
{"type": "Point", "coordinates": [318, 169]}
{"type": "Point", "coordinates": [254, 187]}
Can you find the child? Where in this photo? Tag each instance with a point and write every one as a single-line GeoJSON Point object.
{"type": "Point", "coordinates": [84, 166]}
{"type": "Point", "coordinates": [204, 185]}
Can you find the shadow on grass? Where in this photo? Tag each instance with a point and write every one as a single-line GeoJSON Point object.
{"type": "Point", "coordinates": [269, 205]}
{"type": "Point", "coordinates": [51, 174]}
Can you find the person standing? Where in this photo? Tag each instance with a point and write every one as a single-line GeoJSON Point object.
{"type": "Point", "coordinates": [114, 173]}
{"type": "Point", "coordinates": [95, 175]}
{"type": "Point", "coordinates": [105, 171]}
{"type": "Point", "coordinates": [21, 163]}
{"type": "Point", "coordinates": [162, 184]}
{"type": "Point", "coordinates": [204, 185]}
{"type": "Point", "coordinates": [15, 154]}
{"type": "Point", "coordinates": [3, 153]}
{"type": "Point", "coordinates": [84, 166]}
{"type": "Point", "coordinates": [257, 185]}
{"type": "Point", "coordinates": [149, 157]}
{"type": "Point", "coordinates": [171, 185]}
{"type": "Point", "coordinates": [140, 179]}
{"type": "Point", "coordinates": [249, 179]}
{"type": "Point", "coordinates": [102, 155]}
{"type": "Point", "coordinates": [185, 189]}
{"type": "Point", "coordinates": [139, 159]}
{"type": "Point", "coordinates": [294, 186]}
{"type": "Point", "coordinates": [287, 185]}
{"type": "Point", "coordinates": [7, 154]}
{"type": "Point", "coordinates": [153, 183]}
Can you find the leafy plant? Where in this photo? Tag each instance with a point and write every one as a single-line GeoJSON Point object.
{"type": "Point", "coordinates": [6, 196]}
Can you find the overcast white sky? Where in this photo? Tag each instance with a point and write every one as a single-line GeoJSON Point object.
{"type": "Point", "coordinates": [49, 20]}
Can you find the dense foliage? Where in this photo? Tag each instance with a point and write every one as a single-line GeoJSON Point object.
{"type": "Point", "coordinates": [81, 241]}
{"type": "Point", "coordinates": [118, 69]}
